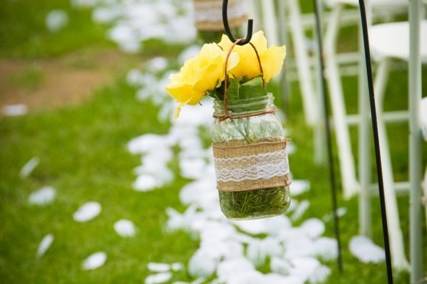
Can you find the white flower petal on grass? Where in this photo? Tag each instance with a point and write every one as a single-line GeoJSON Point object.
{"type": "Point", "coordinates": [304, 267]}
{"type": "Point", "coordinates": [158, 278]}
{"type": "Point", "coordinates": [83, 3]}
{"type": "Point", "coordinates": [320, 274]}
{"type": "Point", "coordinates": [229, 268]}
{"type": "Point", "coordinates": [135, 77]}
{"type": "Point", "coordinates": [259, 250]}
{"type": "Point", "coordinates": [202, 264]}
{"type": "Point", "coordinates": [87, 211]}
{"type": "Point", "coordinates": [299, 187]}
{"type": "Point", "coordinates": [125, 228]}
{"type": "Point", "coordinates": [157, 64]}
{"type": "Point", "coordinates": [365, 250]}
{"type": "Point", "coordinates": [272, 278]}
{"type": "Point", "coordinates": [29, 166]}
{"type": "Point", "coordinates": [340, 213]}
{"type": "Point", "coordinates": [313, 228]}
{"type": "Point", "coordinates": [43, 196]}
{"type": "Point", "coordinates": [299, 210]}
{"type": "Point", "coordinates": [15, 110]}
{"type": "Point", "coordinates": [45, 244]}
{"type": "Point", "coordinates": [297, 244]}
{"type": "Point", "coordinates": [177, 266]}
{"type": "Point", "coordinates": [146, 183]}
{"type": "Point", "coordinates": [94, 261]}
{"type": "Point", "coordinates": [192, 168]}
{"type": "Point", "coordinates": [325, 248]}
{"type": "Point", "coordinates": [56, 20]}
{"type": "Point", "coordinates": [105, 15]}
{"type": "Point", "coordinates": [158, 267]}
{"type": "Point", "coordinates": [280, 265]}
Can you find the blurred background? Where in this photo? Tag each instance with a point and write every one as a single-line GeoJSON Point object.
{"type": "Point", "coordinates": [99, 185]}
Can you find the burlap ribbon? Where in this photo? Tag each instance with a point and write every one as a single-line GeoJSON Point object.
{"type": "Point", "coordinates": [244, 167]}
{"type": "Point", "coordinates": [208, 16]}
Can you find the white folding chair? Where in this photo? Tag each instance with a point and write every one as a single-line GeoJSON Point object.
{"type": "Point", "coordinates": [341, 120]}
{"type": "Point", "coordinates": [340, 117]}
{"type": "Point", "coordinates": [389, 42]}
{"type": "Point", "coordinates": [269, 20]}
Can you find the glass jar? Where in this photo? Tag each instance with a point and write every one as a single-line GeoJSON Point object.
{"type": "Point", "coordinates": [250, 159]}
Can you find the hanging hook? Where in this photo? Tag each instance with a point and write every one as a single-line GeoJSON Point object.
{"type": "Point", "coordinates": [227, 27]}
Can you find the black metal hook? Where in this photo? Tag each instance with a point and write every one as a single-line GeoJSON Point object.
{"type": "Point", "coordinates": [228, 30]}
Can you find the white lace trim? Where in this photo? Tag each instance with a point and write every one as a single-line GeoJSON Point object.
{"type": "Point", "coordinates": [252, 167]}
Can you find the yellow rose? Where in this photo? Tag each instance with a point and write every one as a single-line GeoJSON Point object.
{"type": "Point", "coordinates": [200, 74]}
{"type": "Point", "coordinates": [248, 66]}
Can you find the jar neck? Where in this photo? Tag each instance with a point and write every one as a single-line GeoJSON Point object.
{"type": "Point", "coordinates": [245, 106]}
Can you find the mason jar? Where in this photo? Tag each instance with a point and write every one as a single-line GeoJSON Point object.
{"type": "Point", "coordinates": [250, 158]}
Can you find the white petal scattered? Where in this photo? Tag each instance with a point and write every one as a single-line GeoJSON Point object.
{"type": "Point", "coordinates": [87, 212]}
{"type": "Point", "coordinates": [365, 250]}
{"type": "Point", "coordinates": [56, 20]}
{"type": "Point", "coordinates": [146, 183]}
{"type": "Point", "coordinates": [299, 210]}
{"type": "Point", "coordinates": [43, 196]}
{"type": "Point", "coordinates": [134, 22]}
{"type": "Point", "coordinates": [280, 265]}
{"type": "Point", "coordinates": [158, 267]}
{"type": "Point", "coordinates": [325, 248]}
{"type": "Point", "coordinates": [44, 245]}
{"type": "Point", "coordinates": [340, 213]}
{"type": "Point", "coordinates": [202, 264]}
{"type": "Point", "coordinates": [158, 278]}
{"type": "Point", "coordinates": [94, 261]}
{"type": "Point", "coordinates": [125, 228]}
{"type": "Point", "coordinates": [157, 64]}
{"type": "Point", "coordinates": [313, 228]}
{"type": "Point", "coordinates": [299, 187]}
{"type": "Point", "coordinates": [177, 266]}
{"type": "Point", "coordinates": [29, 167]}
{"type": "Point", "coordinates": [15, 110]}
{"type": "Point", "coordinates": [320, 274]}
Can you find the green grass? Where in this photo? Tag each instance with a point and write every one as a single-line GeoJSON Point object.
{"type": "Point", "coordinates": [23, 32]}
{"type": "Point", "coordinates": [83, 154]}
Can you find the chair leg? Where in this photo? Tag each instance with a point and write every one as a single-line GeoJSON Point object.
{"type": "Point", "coordinates": [303, 65]}
{"type": "Point", "coordinates": [269, 20]}
{"type": "Point", "coordinates": [255, 14]}
{"type": "Point", "coordinates": [347, 169]}
{"type": "Point", "coordinates": [395, 232]}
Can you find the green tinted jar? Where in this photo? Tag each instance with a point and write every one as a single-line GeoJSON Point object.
{"type": "Point", "coordinates": [250, 159]}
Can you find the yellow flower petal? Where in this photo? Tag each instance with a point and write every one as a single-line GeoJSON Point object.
{"type": "Point", "coordinates": [185, 94]}
{"type": "Point", "coordinates": [272, 61]}
{"type": "Point", "coordinates": [248, 66]}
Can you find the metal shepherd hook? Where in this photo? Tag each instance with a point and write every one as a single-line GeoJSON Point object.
{"type": "Point", "coordinates": [228, 30]}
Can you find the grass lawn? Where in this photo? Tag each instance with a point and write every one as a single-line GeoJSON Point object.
{"type": "Point", "coordinates": [83, 154]}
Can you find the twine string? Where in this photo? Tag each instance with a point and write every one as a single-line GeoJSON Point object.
{"type": "Point", "coordinates": [226, 114]}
